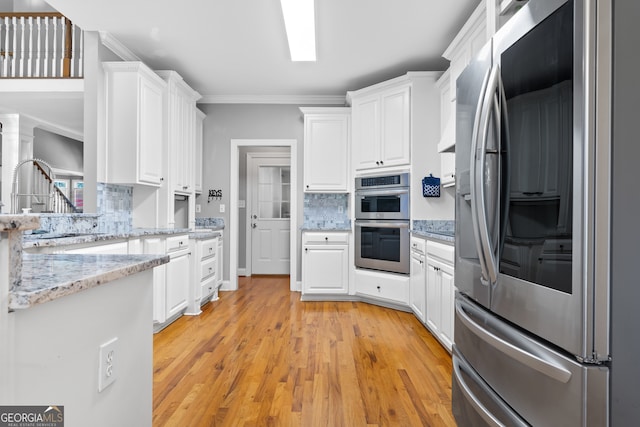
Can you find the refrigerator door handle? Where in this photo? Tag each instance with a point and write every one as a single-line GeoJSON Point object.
{"type": "Point", "coordinates": [529, 359]}
{"type": "Point", "coordinates": [480, 113]}
{"type": "Point", "coordinates": [514, 419]}
{"type": "Point", "coordinates": [480, 157]}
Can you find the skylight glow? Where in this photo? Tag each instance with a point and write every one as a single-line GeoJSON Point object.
{"type": "Point", "coordinates": [299, 21]}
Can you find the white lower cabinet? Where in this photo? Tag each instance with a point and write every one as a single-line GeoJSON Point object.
{"type": "Point", "coordinates": [171, 280]}
{"type": "Point", "coordinates": [204, 273]}
{"type": "Point", "coordinates": [325, 263]}
{"type": "Point", "coordinates": [417, 290]}
{"type": "Point", "coordinates": [384, 288]}
{"type": "Point", "coordinates": [440, 292]}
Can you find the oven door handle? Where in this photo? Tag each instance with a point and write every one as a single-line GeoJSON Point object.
{"type": "Point", "coordinates": [379, 224]}
{"type": "Point", "coordinates": [372, 192]}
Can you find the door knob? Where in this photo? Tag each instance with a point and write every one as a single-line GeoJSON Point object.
{"type": "Point", "coordinates": [254, 216]}
{"type": "Point", "coordinates": [254, 225]}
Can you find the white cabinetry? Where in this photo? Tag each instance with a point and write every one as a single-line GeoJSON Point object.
{"type": "Point", "coordinates": [325, 263]}
{"type": "Point", "coordinates": [204, 273]}
{"type": "Point", "coordinates": [326, 149]}
{"type": "Point", "coordinates": [387, 289]}
{"type": "Point", "coordinates": [220, 258]}
{"type": "Point", "coordinates": [171, 280]}
{"type": "Point", "coordinates": [440, 292]}
{"type": "Point", "coordinates": [181, 132]}
{"type": "Point", "coordinates": [177, 286]}
{"type": "Point", "coordinates": [382, 125]}
{"type": "Point", "coordinates": [417, 290]}
{"type": "Point", "coordinates": [200, 116]}
{"type": "Point", "coordinates": [134, 113]}
{"type": "Point", "coordinates": [464, 46]}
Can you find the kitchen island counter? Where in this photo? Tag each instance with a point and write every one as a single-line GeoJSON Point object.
{"type": "Point", "coordinates": [48, 277]}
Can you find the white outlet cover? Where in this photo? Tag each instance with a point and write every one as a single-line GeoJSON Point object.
{"type": "Point", "coordinates": [222, 208]}
{"type": "Point", "coordinates": [198, 208]}
{"type": "Point", "coordinates": [107, 368]}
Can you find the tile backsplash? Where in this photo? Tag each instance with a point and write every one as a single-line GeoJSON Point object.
{"type": "Point", "coordinates": [114, 205]}
{"type": "Point", "coordinates": [323, 210]}
{"type": "Point", "coordinates": [209, 222]}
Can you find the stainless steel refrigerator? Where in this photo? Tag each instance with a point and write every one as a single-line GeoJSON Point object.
{"type": "Point", "coordinates": [532, 325]}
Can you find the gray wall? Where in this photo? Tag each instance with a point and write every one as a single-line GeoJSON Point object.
{"type": "Point", "coordinates": [225, 122]}
{"type": "Point", "coordinates": [59, 151]}
{"type": "Point", "coordinates": [625, 232]}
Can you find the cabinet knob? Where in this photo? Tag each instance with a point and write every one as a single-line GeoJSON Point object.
{"type": "Point", "coordinates": [378, 287]}
{"type": "Point", "coordinates": [306, 249]}
{"type": "Point", "coordinates": [378, 162]}
{"type": "Point", "coordinates": [326, 239]}
{"type": "Point", "coordinates": [381, 162]}
{"type": "Point", "coordinates": [307, 185]}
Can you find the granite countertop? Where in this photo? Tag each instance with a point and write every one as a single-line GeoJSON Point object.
{"type": "Point", "coordinates": [449, 238]}
{"type": "Point", "coordinates": [326, 226]}
{"type": "Point", "coordinates": [10, 222]}
{"type": "Point", "coordinates": [62, 239]}
{"type": "Point", "coordinates": [48, 277]}
{"type": "Point", "coordinates": [204, 234]}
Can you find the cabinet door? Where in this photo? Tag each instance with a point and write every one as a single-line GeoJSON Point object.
{"type": "Point", "coordinates": [200, 116]}
{"type": "Point", "coordinates": [326, 155]}
{"type": "Point", "coordinates": [447, 290]}
{"type": "Point", "coordinates": [433, 297]}
{"type": "Point", "coordinates": [395, 127]}
{"type": "Point", "coordinates": [219, 276]}
{"type": "Point", "coordinates": [177, 286]}
{"type": "Point", "coordinates": [156, 245]}
{"type": "Point", "coordinates": [150, 149]}
{"type": "Point", "coordinates": [418, 286]}
{"type": "Point", "coordinates": [325, 269]}
{"type": "Point", "coordinates": [366, 134]}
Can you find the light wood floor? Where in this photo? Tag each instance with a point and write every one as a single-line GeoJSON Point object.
{"type": "Point", "coordinates": [261, 357]}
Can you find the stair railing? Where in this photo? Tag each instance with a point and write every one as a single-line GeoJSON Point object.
{"type": "Point", "coordinates": [42, 191]}
{"type": "Point", "coordinates": [39, 45]}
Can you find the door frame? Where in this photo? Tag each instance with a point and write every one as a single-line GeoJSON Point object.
{"type": "Point", "coordinates": [235, 211]}
{"type": "Point", "coordinates": [249, 202]}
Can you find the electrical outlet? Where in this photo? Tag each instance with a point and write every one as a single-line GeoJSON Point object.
{"type": "Point", "coordinates": [222, 208]}
{"type": "Point", "coordinates": [198, 208]}
{"type": "Point", "coordinates": [107, 368]}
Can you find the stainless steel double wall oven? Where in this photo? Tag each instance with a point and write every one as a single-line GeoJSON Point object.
{"type": "Point", "coordinates": [382, 223]}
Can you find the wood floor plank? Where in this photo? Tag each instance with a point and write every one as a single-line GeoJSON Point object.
{"type": "Point", "coordinates": [260, 357]}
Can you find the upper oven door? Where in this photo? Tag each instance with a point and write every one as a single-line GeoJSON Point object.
{"type": "Point", "coordinates": [382, 203]}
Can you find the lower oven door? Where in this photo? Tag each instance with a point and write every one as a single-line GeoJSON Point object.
{"type": "Point", "coordinates": [382, 245]}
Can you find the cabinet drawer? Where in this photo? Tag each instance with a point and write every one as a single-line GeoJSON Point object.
{"type": "Point", "coordinates": [442, 251]}
{"type": "Point", "coordinates": [418, 245]}
{"type": "Point", "coordinates": [208, 267]}
{"type": "Point", "coordinates": [176, 243]}
{"type": "Point", "coordinates": [208, 286]}
{"type": "Point", "coordinates": [318, 238]}
{"type": "Point", "coordinates": [209, 248]}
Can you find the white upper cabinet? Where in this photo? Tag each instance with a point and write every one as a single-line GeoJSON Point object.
{"type": "Point", "coordinates": [181, 132]}
{"type": "Point", "coordinates": [326, 149]}
{"type": "Point", "coordinates": [200, 116]}
{"type": "Point", "coordinates": [464, 46]}
{"type": "Point", "coordinates": [134, 99]}
{"type": "Point", "coordinates": [382, 125]}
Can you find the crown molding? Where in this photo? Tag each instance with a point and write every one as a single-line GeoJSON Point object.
{"type": "Point", "coordinates": [113, 44]}
{"type": "Point", "coordinates": [274, 99]}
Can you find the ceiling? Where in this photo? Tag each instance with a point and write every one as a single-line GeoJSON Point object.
{"type": "Point", "coordinates": [228, 49]}
{"type": "Point", "coordinates": [236, 50]}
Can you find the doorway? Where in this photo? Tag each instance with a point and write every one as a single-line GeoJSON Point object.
{"type": "Point", "coordinates": [268, 213]}
{"type": "Point", "coordinates": [234, 205]}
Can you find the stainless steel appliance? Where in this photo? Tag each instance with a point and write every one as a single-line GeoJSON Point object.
{"type": "Point", "coordinates": [382, 223]}
{"type": "Point", "coordinates": [532, 312]}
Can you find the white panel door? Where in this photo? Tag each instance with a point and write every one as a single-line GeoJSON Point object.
{"type": "Point", "coordinates": [270, 212]}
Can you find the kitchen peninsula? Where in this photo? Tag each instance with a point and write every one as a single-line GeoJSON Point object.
{"type": "Point", "coordinates": [57, 311]}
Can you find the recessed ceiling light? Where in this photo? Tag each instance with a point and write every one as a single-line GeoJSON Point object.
{"type": "Point", "coordinates": [299, 21]}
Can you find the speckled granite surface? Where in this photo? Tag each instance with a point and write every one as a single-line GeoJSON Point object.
{"type": "Point", "coordinates": [211, 223]}
{"type": "Point", "coordinates": [62, 239]}
{"type": "Point", "coordinates": [325, 226]}
{"type": "Point", "coordinates": [18, 222]}
{"type": "Point", "coordinates": [443, 230]}
{"type": "Point", "coordinates": [48, 277]}
{"type": "Point", "coordinates": [204, 234]}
